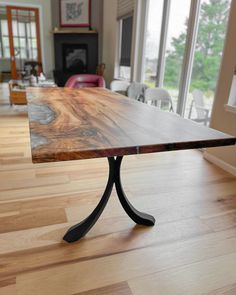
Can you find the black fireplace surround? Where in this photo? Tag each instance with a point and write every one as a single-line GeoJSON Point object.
{"type": "Point", "coordinates": [74, 54]}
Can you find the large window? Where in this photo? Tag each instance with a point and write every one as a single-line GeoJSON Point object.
{"type": "Point", "coordinates": [193, 34]}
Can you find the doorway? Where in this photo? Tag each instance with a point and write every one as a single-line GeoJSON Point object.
{"type": "Point", "coordinates": [20, 38]}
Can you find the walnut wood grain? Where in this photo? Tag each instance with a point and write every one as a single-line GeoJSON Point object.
{"type": "Point", "coordinates": [71, 124]}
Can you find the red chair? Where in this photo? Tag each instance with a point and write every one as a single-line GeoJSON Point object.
{"type": "Point", "coordinates": [85, 80]}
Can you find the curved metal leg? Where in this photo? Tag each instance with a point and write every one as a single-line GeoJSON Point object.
{"type": "Point", "coordinates": [79, 230]}
{"type": "Point", "coordinates": [137, 216]}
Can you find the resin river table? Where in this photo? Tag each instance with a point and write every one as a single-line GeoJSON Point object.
{"type": "Point", "coordinates": [73, 124]}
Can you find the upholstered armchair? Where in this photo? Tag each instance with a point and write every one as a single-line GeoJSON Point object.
{"type": "Point", "coordinates": [85, 80]}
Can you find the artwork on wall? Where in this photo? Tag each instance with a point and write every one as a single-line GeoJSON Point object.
{"type": "Point", "coordinates": [75, 13]}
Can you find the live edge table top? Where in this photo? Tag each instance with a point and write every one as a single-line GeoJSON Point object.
{"type": "Point", "coordinates": [73, 124]}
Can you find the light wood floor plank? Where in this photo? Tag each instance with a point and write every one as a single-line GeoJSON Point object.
{"type": "Point", "coordinates": [194, 279]}
{"type": "Point", "coordinates": [117, 289]}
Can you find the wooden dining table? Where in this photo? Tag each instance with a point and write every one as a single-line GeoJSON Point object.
{"type": "Point", "coordinates": [74, 124]}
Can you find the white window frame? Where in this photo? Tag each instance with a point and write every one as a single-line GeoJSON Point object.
{"type": "Point", "coordinates": [118, 50]}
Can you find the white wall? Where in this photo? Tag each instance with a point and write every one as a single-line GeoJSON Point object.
{"type": "Point", "coordinates": [46, 28]}
{"type": "Point", "coordinates": [221, 119]}
{"type": "Point", "coordinates": [109, 38]}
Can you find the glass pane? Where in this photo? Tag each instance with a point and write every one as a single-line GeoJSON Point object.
{"type": "Point", "coordinates": [5, 41]}
{"type": "Point", "coordinates": [32, 14]}
{"type": "Point", "coordinates": [152, 41]}
{"type": "Point", "coordinates": [125, 72]}
{"type": "Point", "coordinates": [176, 39]}
{"type": "Point", "coordinates": [14, 28]}
{"type": "Point", "coordinates": [23, 53]}
{"type": "Point", "coordinates": [35, 54]}
{"type": "Point", "coordinates": [16, 42]}
{"type": "Point", "coordinates": [22, 42]}
{"type": "Point", "coordinates": [4, 27]}
{"type": "Point", "coordinates": [30, 53]}
{"type": "Point", "coordinates": [209, 47]}
{"type": "Point", "coordinates": [23, 14]}
{"type": "Point", "coordinates": [6, 51]}
{"type": "Point", "coordinates": [31, 29]}
{"type": "Point", "coordinates": [21, 28]}
{"type": "Point", "coordinates": [13, 13]}
{"type": "Point", "coordinates": [34, 43]}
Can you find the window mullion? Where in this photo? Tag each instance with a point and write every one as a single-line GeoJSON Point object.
{"type": "Point", "coordinates": [162, 46]}
{"type": "Point", "coordinates": [188, 55]}
{"type": "Point", "coordinates": [1, 36]}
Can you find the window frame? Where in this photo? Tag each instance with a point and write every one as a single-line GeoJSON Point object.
{"type": "Point", "coordinates": [119, 46]}
{"type": "Point", "coordinates": [188, 58]}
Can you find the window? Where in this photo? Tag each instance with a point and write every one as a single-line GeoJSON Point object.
{"type": "Point", "coordinates": [5, 39]}
{"type": "Point", "coordinates": [24, 37]}
{"type": "Point", "coordinates": [207, 56]}
{"type": "Point", "coordinates": [193, 33]}
{"type": "Point", "coordinates": [126, 29]}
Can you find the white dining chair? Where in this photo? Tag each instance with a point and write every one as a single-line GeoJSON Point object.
{"type": "Point", "coordinates": [201, 110]}
{"type": "Point", "coordinates": [119, 86]}
{"type": "Point", "coordinates": [159, 97]}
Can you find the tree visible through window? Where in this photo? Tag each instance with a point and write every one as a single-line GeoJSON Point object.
{"type": "Point", "coordinates": [212, 25]}
{"type": "Point", "coordinates": [207, 56]}
{"type": "Point", "coordinates": [208, 51]}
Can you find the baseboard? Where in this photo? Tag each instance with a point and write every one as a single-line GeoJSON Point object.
{"type": "Point", "coordinates": [220, 163]}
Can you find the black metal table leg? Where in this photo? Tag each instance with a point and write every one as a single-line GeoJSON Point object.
{"type": "Point", "coordinates": [137, 216]}
{"type": "Point", "coordinates": [79, 230]}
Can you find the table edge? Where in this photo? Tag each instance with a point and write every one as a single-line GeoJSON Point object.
{"type": "Point", "coordinates": [132, 150]}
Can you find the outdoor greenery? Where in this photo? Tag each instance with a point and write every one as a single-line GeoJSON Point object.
{"type": "Point", "coordinates": [209, 46]}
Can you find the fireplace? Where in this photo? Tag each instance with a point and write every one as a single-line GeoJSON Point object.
{"type": "Point", "coordinates": [75, 53]}
{"type": "Point", "coordinates": [75, 58]}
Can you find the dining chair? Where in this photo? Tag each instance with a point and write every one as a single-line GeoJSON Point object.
{"type": "Point", "coordinates": [119, 86]}
{"type": "Point", "coordinates": [201, 110]}
{"type": "Point", "coordinates": [85, 80]}
{"type": "Point", "coordinates": [159, 97]}
{"type": "Point", "coordinates": [136, 91]}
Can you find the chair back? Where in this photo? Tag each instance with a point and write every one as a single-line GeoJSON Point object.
{"type": "Point", "coordinates": [100, 69]}
{"type": "Point", "coordinates": [119, 86]}
{"type": "Point", "coordinates": [32, 67]}
{"type": "Point", "coordinates": [136, 91]}
{"type": "Point", "coordinates": [159, 97]}
{"type": "Point", "coordinates": [85, 80]}
{"type": "Point", "coordinates": [198, 98]}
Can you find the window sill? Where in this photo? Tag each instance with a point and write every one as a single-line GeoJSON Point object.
{"type": "Point", "coordinates": [230, 108]}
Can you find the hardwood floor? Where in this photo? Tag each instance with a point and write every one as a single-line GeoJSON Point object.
{"type": "Point", "coordinates": [191, 250]}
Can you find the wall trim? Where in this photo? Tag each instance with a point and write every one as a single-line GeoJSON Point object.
{"type": "Point", "coordinates": [220, 163]}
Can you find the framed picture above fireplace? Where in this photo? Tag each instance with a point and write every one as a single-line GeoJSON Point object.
{"type": "Point", "coordinates": [75, 13]}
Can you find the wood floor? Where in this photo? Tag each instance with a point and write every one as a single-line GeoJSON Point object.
{"type": "Point", "coordinates": [191, 250]}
